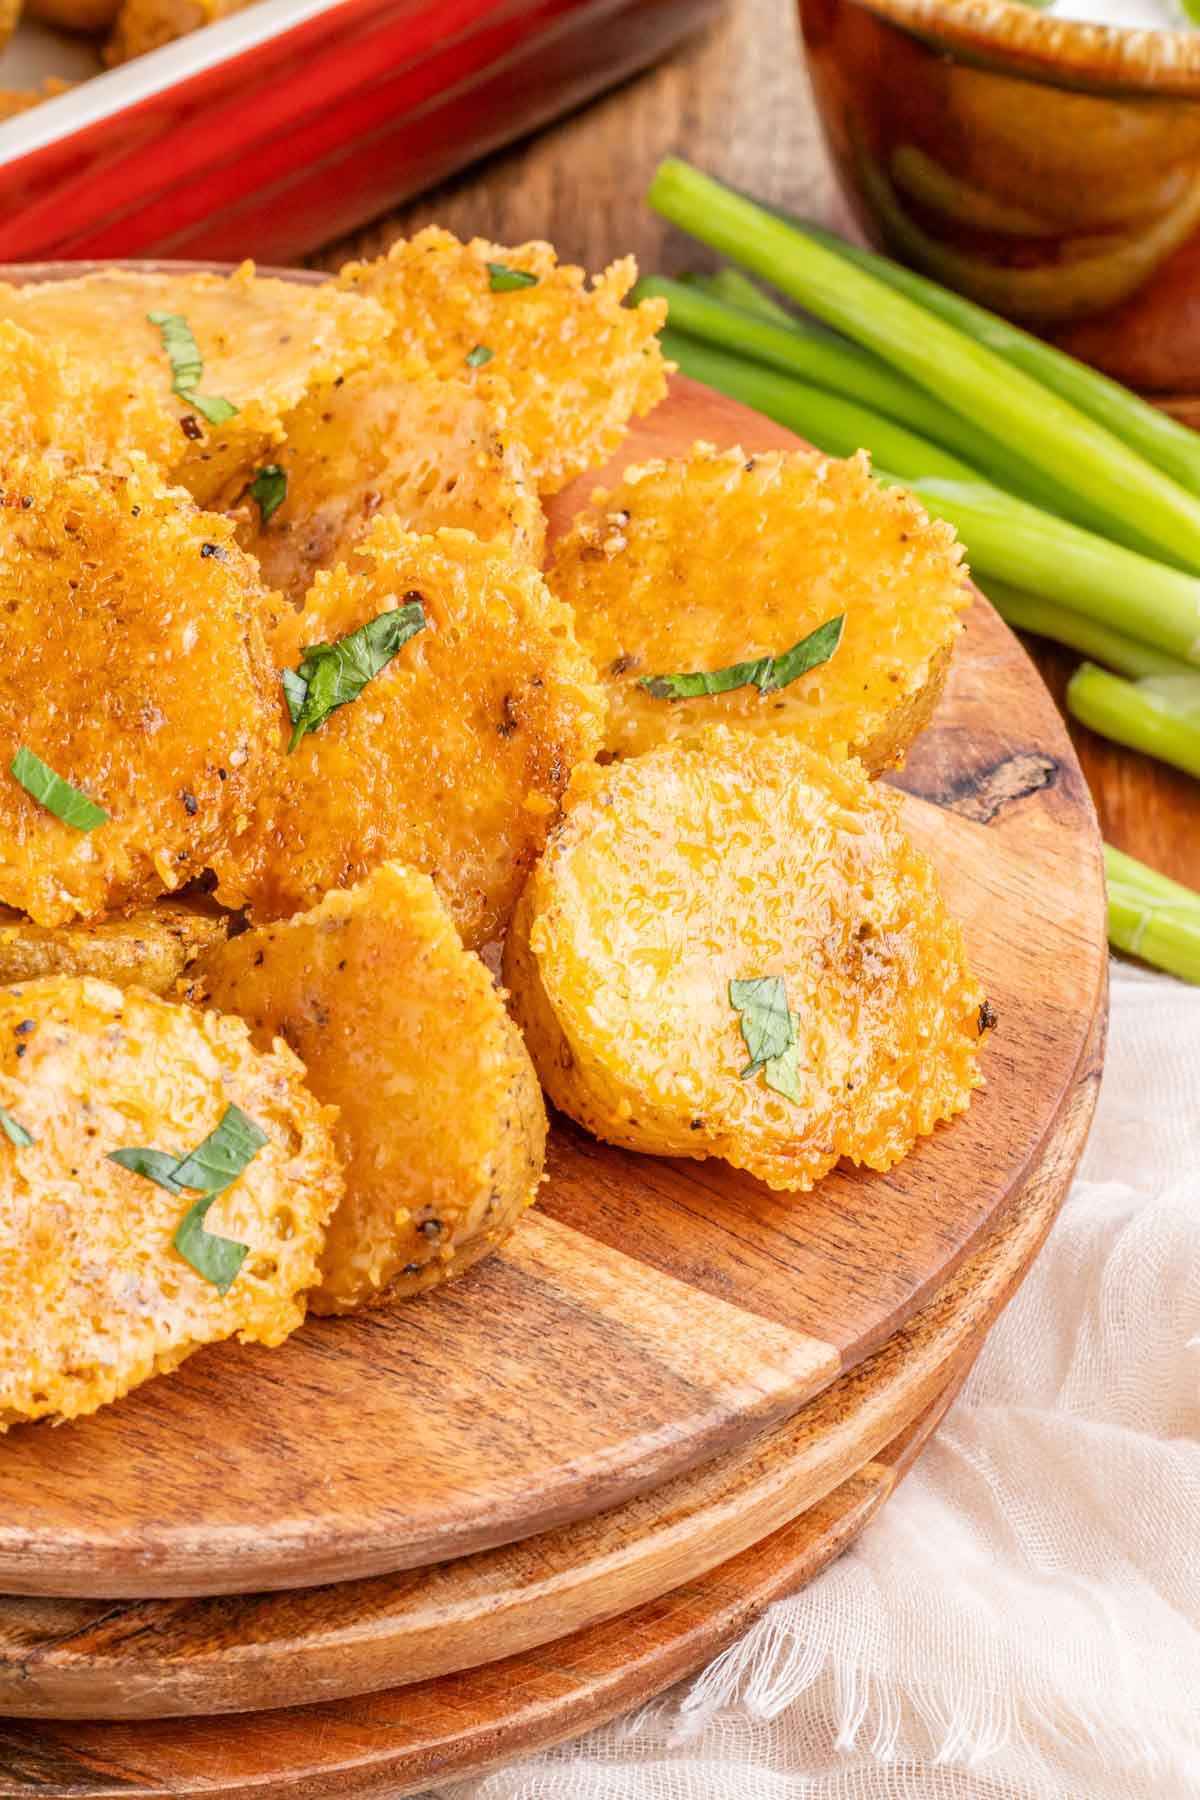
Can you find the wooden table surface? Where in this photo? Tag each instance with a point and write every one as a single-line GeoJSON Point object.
{"type": "Point", "coordinates": [735, 101]}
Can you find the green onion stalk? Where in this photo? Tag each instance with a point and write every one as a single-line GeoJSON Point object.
{"type": "Point", "coordinates": [1158, 715]}
{"type": "Point", "coordinates": [1098, 642]}
{"type": "Point", "coordinates": [1031, 420]}
{"type": "Point", "coordinates": [1152, 917]}
{"type": "Point", "coordinates": [825, 363]}
{"type": "Point", "coordinates": [1170, 446]}
{"type": "Point", "coordinates": [1006, 539]}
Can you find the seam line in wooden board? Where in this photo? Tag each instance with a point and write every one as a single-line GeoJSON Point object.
{"type": "Point", "coordinates": [260, 1653]}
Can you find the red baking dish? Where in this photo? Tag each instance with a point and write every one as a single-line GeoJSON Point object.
{"type": "Point", "coordinates": [288, 124]}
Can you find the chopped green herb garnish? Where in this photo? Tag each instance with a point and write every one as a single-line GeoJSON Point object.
{"type": "Point", "coordinates": [268, 490]}
{"type": "Point", "coordinates": [217, 1259]}
{"type": "Point", "coordinates": [765, 1019]}
{"type": "Point", "coordinates": [766, 673]}
{"type": "Point", "coordinates": [55, 794]}
{"type": "Point", "coordinates": [210, 1169]}
{"type": "Point", "coordinates": [478, 356]}
{"type": "Point", "coordinates": [156, 1165]}
{"type": "Point", "coordinates": [333, 674]}
{"type": "Point", "coordinates": [225, 1152]}
{"type": "Point", "coordinates": [769, 1029]}
{"type": "Point", "coordinates": [14, 1131]}
{"type": "Point", "coordinates": [187, 367]}
{"type": "Point", "coordinates": [504, 280]}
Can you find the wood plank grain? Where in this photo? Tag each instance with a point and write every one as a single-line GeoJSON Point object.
{"type": "Point", "coordinates": [151, 1659]}
{"type": "Point", "coordinates": [536, 1390]}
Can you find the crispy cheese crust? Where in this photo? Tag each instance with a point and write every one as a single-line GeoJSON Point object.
{"type": "Point", "coordinates": [579, 364]}
{"type": "Point", "coordinates": [677, 872]}
{"type": "Point", "coordinates": [264, 344]}
{"type": "Point", "coordinates": [135, 669]}
{"type": "Point", "coordinates": [425, 451]}
{"type": "Point", "coordinates": [93, 414]}
{"type": "Point", "coordinates": [150, 948]}
{"type": "Point", "coordinates": [143, 25]}
{"type": "Point", "coordinates": [442, 1128]}
{"type": "Point", "coordinates": [700, 562]}
{"type": "Point", "coordinates": [452, 759]}
{"type": "Point", "coordinates": [93, 1297]}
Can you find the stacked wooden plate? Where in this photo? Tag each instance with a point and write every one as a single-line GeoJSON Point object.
{"type": "Point", "coordinates": [420, 1541]}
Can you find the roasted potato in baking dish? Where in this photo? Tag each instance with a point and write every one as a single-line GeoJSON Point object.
{"type": "Point", "coordinates": [454, 755]}
{"type": "Point", "coordinates": [704, 587]}
{"type": "Point", "coordinates": [441, 1125]}
{"type": "Point", "coordinates": [143, 25]}
{"type": "Point", "coordinates": [149, 948]}
{"type": "Point", "coordinates": [74, 15]}
{"type": "Point", "coordinates": [110, 1274]}
{"type": "Point", "coordinates": [134, 685]}
{"type": "Point", "coordinates": [734, 951]}
{"type": "Point", "coordinates": [579, 364]}
{"type": "Point", "coordinates": [421, 449]}
{"type": "Point", "coordinates": [228, 358]}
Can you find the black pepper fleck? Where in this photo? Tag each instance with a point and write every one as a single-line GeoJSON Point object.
{"type": "Point", "coordinates": [25, 1027]}
{"type": "Point", "coordinates": [222, 555]}
{"type": "Point", "coordinates": [191, 805]}
{"type": "Point", "coordinates": [191, 427]}
{"type": "Point", "coordinates": [987, 1017]}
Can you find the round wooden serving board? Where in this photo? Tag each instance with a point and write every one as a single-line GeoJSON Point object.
{"type": "Point", "coordinates": [649, 1315]}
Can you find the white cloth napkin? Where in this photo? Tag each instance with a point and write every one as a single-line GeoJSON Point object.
{"type": "Point", "coordinates": [1022, 1621]}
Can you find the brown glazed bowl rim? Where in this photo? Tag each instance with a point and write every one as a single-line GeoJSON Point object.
{"type": "Point", "coordinates": [1020, 37]}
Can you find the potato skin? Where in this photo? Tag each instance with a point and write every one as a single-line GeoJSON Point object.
{"type": "Point", "coordinates": [442, 1129]}
{"type": "Point", "coordinates": [676, 872]}
{"type": "Point", "coordinates": [577, 363]}
{"type": "Point", "coordinates": [136, 669]}
{"type": "Point", "coordinates": [702, 561]}
{"type": "Point", "coordinates": [264, 345]}
{"type": "Point", "coordinates": [149, 949]}
{"type": "Point", "coordinates": [94, 1299]}
{"type": "Point", "coordinates": [453, 758]}
{"type": "Point", "coordinates": [426, 451]}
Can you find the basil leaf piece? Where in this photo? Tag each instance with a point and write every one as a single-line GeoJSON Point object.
{"type": "Point", "coordinates": [211, 1168]}
{"type": "Point", "coordinates": [217, 1259]}
{"type": "Point", "coordinates": [155, 1165]}
{"type": "Point", "coordinates": [478, 356]}
{"type": "Point", "coordinates": [782, 1074]}
{"type": "Point", "coordinates": [765, 1020]}
{"type": "Point", "coordinates": [503, 280]}
{"type": "Point", "coordinates": [14, 1131]}
{"type": "Point", "coordinates": [766, 673]}
{"type": "Point", "coordinates": [216, 1163]}
{"type": "Point", "coordinates": [187, 367]}
{"type": "Point", "coordinates": [294, 690]}
{"type": "Point", "coordinates": [336, 673]}
{"type": "Point", "coordinates": [56, 795]}
{"type": "Point", "coordinates": [268, 490]}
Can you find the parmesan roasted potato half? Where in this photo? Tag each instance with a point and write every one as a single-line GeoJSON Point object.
{"type": "Point", "coordinates": [149, 948]}
{"type": "Point", "coordinates": [111, 1273]}
{"type": "Point", "coordinates": [729, 573]}
{"type": "Point", "coordinates": [420, 449]}
{"type": "Point", "coordinates": [442, 1129]}
{"type": "Point", "coordinates": [228, 358]}
{"type": "Point", "coordinates": [579, 364]}
{"type": "Point", "coordinates": [92, 414]}
{"type": "Point", "coordinates": [74, 15]}
{"type": "Point", "coordinates": [138, 711]}
{"type": "Point", "coordinates": [450, 758]}
{"type": "Point", "coordinates": [734, 951]}
{"type": "Point", "coordinates": [143, 25]}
